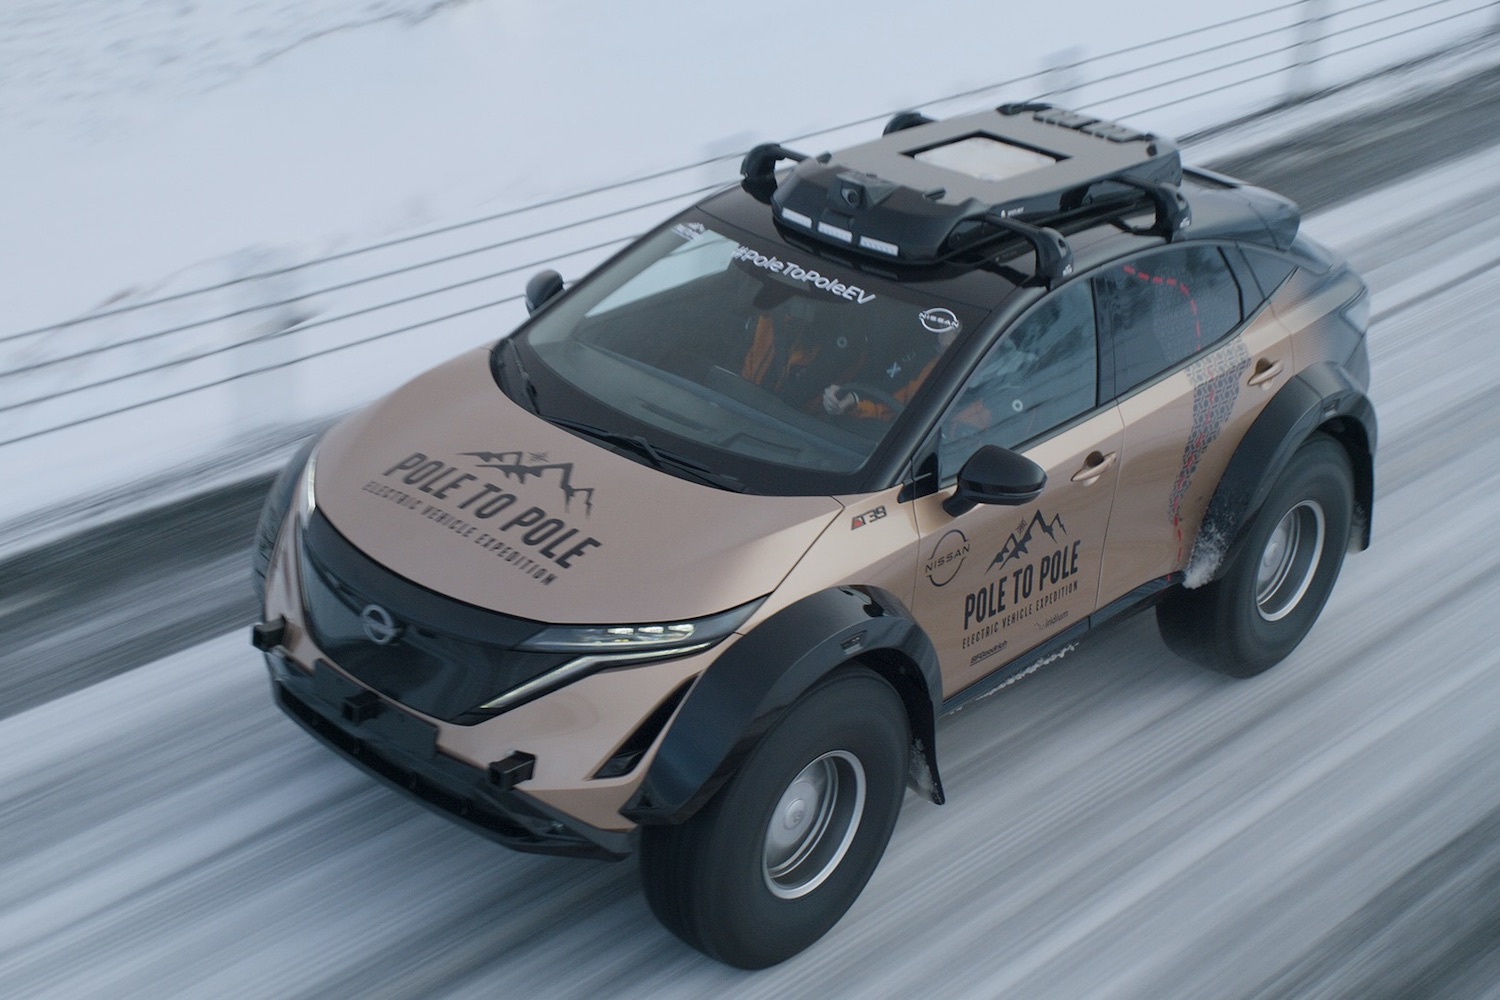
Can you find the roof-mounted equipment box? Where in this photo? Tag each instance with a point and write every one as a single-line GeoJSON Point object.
{"type": "Point", "coordinates": [929, 190]}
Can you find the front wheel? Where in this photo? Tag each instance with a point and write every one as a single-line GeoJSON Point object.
{"type": "Point", "coordinates": [784, 849]}
{"type": "Point", "coordinates": [1268, 597]}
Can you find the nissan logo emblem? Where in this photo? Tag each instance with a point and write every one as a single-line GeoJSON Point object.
{"type": "Point", "coordinates": [380, 627]}
{"type": "Point", "coordinates": [939, 321]}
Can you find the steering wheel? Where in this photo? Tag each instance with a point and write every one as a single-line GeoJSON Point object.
{"type": "Point", "coordinates": [865, 390]}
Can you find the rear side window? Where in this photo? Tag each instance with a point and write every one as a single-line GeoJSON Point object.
{"type": "Point", "coordinates": [1270, 270]}
{"type": "Point", "coordinates": [1158, 310]}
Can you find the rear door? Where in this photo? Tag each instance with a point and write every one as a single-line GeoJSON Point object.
{"type": "Point", "coordinates": [1190, 373]}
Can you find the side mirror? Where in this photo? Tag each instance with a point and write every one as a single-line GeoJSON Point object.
{"type": "Point", "coordinates": [543, 287]}
{"type": "Point", "coordinates": [996, 475]}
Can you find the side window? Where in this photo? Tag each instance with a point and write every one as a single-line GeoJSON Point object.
{"type": "Point", "coordinates": [1270, 270]}
{"type": "Point", "coordinates": [1042, 372]}
{"type": "Point", "coordinates": [1158, 310]}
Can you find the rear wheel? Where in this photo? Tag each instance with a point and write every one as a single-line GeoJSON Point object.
{"type": "Point", "coordinates": [784, 849]}
{"type": "Point", "coordinates": [1267, 599]}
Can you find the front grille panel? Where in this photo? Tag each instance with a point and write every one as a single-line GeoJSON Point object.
{"type": "Point", "coordinates": [445, 658]}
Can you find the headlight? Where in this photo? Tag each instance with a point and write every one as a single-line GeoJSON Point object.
{"type": "Point", "coordinates": [607, 639]}
{"type": "Point", "coordinates": [286, 493]}
{"type": "Point", "coordinates": [602, 647]}
{"type": "Point", "coordinates": [307, 496]}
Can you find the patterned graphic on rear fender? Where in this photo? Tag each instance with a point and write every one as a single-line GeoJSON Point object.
{"type": "Point", "coordinates": [1216, 387]}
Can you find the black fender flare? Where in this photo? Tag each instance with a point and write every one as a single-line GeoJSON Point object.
{"type": "Point", "coordinates": [1324, 397]}
{"type": "Point", "coordinates": [744, 691]}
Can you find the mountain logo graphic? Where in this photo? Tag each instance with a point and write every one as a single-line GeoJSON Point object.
{"type": "Point", "coordinates": [512, 465]}
{"type": "Point", "coordinates": [1019, 542]}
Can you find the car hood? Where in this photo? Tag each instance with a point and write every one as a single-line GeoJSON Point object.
{"type": "Point", "coordinates": [450, 484]}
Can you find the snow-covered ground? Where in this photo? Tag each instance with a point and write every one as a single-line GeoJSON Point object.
{"type": "Point", "coordinates": [151, 148]}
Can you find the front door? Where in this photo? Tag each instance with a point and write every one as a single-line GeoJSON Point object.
{"type": "Point", "coordinates": [997, 581]}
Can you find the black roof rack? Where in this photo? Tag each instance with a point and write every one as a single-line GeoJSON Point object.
{"type": "Point", "coordinates": [929, 190]}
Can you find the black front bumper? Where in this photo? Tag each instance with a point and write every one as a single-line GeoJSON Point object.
{"type": "Point", "coordinates": [401, 750]}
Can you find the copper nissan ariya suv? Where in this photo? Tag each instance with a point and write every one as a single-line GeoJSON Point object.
{"type": "Point", "coordinates": [690, 564]}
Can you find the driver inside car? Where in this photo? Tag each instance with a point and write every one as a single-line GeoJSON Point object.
{"type": "Point", "coordinates": [792, 355]}
{"type": "Point", "coordinates": [839, 399]}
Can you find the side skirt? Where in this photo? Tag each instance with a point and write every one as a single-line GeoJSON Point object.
{"type": "Point", "coordinates": [1059, 645]}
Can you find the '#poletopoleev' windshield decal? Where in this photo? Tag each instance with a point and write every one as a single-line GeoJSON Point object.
{"type": "Point", "coordinates": [797, 272]}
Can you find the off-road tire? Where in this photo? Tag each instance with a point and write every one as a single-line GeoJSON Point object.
{"type": "Point", "coordinates": [1265, 601]}
{"type": "Point", "coordinates": [711, 880]}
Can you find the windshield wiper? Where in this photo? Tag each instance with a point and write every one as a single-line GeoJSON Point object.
{"type": "Point", "coordinates": [520, 372]}
{"type": "Point", "coordinates": [661, 459]}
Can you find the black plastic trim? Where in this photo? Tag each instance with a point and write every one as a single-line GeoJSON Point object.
{"type": "Point", "coordinates": [401, 754]}
{"type": "Point", "coordinates": [446, 658]}
{"type": "Point", "coordinates": [266, 636]}
{"type": "Point", "coordinates": [754, 681]}
{"type": "Point", "coordinates": [1028, 661]}
{"type": "Point", "coordinates": [630, 751]}
{"type": "Point", "coordinates": [903, 120]}
{"type": "Point", "coordinates": [1143, 596]}
{"type": "Point", "coordinates": [328, 547]}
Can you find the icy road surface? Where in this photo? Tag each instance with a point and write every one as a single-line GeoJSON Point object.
{"type": "Point", "coordinates": [1119, 825]}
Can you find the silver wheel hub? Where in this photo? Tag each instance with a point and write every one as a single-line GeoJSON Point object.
{"type": "Point", "coordinates": [813, 824]}
{"type": "Point", "coordinates": [1289, 561]}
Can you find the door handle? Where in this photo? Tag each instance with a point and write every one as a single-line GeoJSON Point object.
{"type": "Point", "coordinates": [1094, 466]}
{"type": "Point", "coordinates": [1265, 371]}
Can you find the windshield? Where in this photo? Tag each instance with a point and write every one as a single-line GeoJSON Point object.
{"type": "Point", "coordinates": [758, 360]}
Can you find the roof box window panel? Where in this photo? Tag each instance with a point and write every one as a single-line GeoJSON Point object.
{"type": "Point", "coordinates": [986, 158]}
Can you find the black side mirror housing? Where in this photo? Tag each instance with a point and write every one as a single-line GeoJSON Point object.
{"type": "Point", "coordinates": [996, 475]}
{"type": "Point", "coordinates": [543, 287]}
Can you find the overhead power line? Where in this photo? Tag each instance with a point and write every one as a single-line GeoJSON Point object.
{"type": "Point", "coordinates": [636, 206]}
{"type": "Point", "coordinates": [638, 179]}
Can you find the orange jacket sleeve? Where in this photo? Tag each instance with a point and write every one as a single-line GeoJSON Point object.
{"type": "Point", "coordinates": [868, 409]}
{"type": "Point", "coordinates": [762, 349]}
